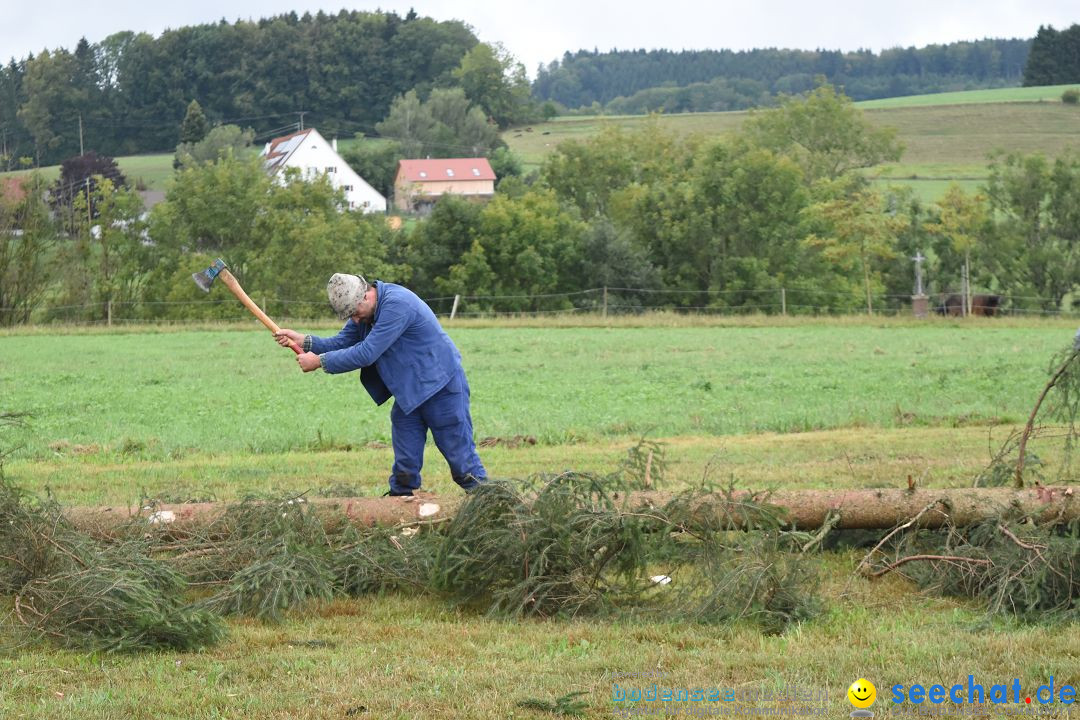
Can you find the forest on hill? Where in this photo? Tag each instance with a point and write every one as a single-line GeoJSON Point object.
{"type": "Point", "coordinates": [708, 80]}
{"type": "Point", "coordinates": [128, 93]}
{"type": "Point", "coordinates": [344, 72]}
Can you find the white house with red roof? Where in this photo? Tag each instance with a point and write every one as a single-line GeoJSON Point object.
{"type": "Point", "coordinates": [308, 152]}
{"type": "Point", "coordinates": [419, 183]}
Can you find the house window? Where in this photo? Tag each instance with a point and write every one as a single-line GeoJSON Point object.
{"type": "Point", "coordinates": [449, 172]}
{"type": "Point", "coordinates": [331, 169]}
{"type": "Point", "coordinates": [351, 205]}
{"type": "Point", "coordinates": [423, 174]}
{"type": "Point", "coordinates": [476, 172]}
{"type": "Point", "coordinates": [347, 188]}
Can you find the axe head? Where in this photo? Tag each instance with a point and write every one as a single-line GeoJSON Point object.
{"type": "Point", "coordinates": [206, 278]}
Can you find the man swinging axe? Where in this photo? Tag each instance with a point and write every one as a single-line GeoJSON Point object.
{"type": "Point", "coordinates": [396, 342]}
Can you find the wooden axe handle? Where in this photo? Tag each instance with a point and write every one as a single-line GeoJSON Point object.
{"type": "Point", "coordinates": [230, 282]}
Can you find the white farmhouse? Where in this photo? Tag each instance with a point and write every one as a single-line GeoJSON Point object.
{"type": "Point", "coordinates": [309, 152]}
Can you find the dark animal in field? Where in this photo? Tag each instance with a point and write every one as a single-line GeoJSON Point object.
{"type": "Point", "coordinates": [985, 305]}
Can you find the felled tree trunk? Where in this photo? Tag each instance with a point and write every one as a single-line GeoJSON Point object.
{"type": "Point", "coordinates": [805, 509]}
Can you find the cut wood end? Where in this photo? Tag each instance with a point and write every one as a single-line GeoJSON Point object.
{"type": "Point", "coordinates": [162, 516]}
{"type": "Point", "coordinates": [427, 509]}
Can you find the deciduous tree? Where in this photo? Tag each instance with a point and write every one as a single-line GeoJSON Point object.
{"type": "Point", "coordinates": [28, 237]}
{"type": "Point", "coordinates": [1038, 204]}
{"type": "Point", "coordinates": [854, 232]}
{"type": "Point", "coordinates": [825, 133]}
{"type": "Point", "coordinates": [217, 143]}
{"type": "Point", "coordinates": [963, 220]}
{"type": "Point", "coordinates": [493, 80]}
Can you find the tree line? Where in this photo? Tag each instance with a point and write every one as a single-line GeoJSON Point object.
{"type": "Point", "coordinates": [128, 93]}
{"type": "Point", "coordinates": [703, 80]}
{"type": "Point", "coordinates": [660, 219]}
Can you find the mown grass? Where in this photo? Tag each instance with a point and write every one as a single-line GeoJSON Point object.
{"type": "Point", "coordinates": [966, 134]}
{"type": "Point", "coordinates": [846, 458]}
{"type": "Point", "coordinates": [1045, 93]}
{"type": "Point", "coordinates": [221, 412]}
{"type": "Point", "coordinates": [173, 394]}
{"type": "Point", "coordinates": [409, 657]}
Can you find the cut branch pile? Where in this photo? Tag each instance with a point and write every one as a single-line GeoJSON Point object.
{"type": "Point", "coordinates": [1014, 565]}
{"type": "Point", "coordinates": [1019, 561]}
{"type": "Point", "coordinates": [548, 546]}
{"type": "Point", "coordinates": [78, 592]}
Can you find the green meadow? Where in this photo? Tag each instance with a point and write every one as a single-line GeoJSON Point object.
{"type": "Point", "coordinates": [221, 411]}
{"type": "Point", "coordinates": [1044, 93]}
{"type": "Point", "coordinates": [174, 394]}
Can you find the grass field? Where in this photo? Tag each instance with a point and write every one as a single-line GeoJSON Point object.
{"type": "Point", "coordinates": [153, 171]}
{"type": "Point", "coordinates": [1046, 93]}
{"type": "Point", "coordinates": [156, 397]}
{"type": "Point", "coordinates": [768, 403]}
{"type": "Point", "coordinates": [946, 137]}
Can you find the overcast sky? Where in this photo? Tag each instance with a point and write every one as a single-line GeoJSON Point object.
{"type": "Point", "coordinates": [537, 31]}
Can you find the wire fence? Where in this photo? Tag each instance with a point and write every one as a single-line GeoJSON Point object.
{"type": "Point", "coordinates": [602, 301]}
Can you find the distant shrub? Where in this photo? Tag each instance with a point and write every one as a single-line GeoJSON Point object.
{"type": "Point", "coordinates": [1071, 96]}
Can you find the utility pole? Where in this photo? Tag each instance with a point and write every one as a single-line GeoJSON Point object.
{"type": "Point", "coordinates": [302, 114]}
{"type": "Point", "coordinates": [81, 153]}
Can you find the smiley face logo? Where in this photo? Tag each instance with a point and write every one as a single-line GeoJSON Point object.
{"type": "Point", "coordinates": [862, 693]}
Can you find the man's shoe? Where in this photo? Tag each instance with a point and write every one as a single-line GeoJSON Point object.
{"type": "Point", "coordinates": [391, 493]}
{"type": "Point", "coordinates": [474, 487]}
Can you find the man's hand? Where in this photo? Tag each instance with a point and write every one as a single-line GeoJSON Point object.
{"type": "Point", "coordinates": [284, 336]}
{"type": "Point", "coordinates": [308, 361]}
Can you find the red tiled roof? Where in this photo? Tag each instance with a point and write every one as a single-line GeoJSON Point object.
{"type": "Point", "coordinates": [444, 169]}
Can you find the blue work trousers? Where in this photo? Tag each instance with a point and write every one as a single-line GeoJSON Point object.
{"type": "Point", "coordinates": [446, 414]}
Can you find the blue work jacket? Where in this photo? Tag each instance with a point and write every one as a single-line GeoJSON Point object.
{"type": "Point", "coordinates": [403, 352]}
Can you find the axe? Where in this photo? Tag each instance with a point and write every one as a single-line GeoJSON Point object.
{"type": "Point", "coordinates": [206, 278]}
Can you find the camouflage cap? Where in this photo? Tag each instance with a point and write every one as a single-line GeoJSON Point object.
{"type": "Point", "coordinates": [345, 291]}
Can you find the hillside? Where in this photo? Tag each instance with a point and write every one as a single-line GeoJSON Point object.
{"type": "Point", "coordinates": [946, 137]}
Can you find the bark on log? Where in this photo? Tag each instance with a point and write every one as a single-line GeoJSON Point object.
{"type": "Point", "coordinates": [806, 509]}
